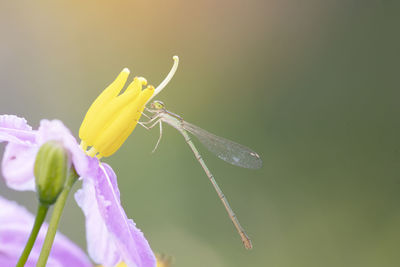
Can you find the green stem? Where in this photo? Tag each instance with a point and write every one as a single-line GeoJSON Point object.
{"type": "Point", "coordinates": [55, 218]}
{"type": "Point", "coordinates": [40, 216]}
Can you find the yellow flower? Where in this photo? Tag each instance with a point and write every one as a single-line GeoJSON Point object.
{"type": "Point", "coordinates": [113, 115]}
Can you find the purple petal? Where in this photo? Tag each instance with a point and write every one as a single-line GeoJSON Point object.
{"type": "Point", "coordinates": [100, 201]}
{"type": "Point", "coordinates": [100, 242]}
{"type": "Point", "coordinates": [16, 130]}
{"type": "Point", "coordinates": [56, 130]}
{"type": "Point", "coordinates": [15, 226]}
{"type": "Point", "coordinates": [17, 166]}
{"type": "Point", "coordinates": [14, 122]}
{"type": "Point", "coordinates": [23, 143]}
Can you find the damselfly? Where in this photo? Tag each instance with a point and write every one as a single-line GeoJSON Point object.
{"type": "Point", "coordinates": [227, 150]}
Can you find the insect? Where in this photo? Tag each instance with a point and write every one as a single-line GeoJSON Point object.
{"type": "Point", "coordinates": [226, 150]}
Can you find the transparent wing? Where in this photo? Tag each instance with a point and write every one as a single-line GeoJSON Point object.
{"type": "Point", "coordinates": [225, 149]}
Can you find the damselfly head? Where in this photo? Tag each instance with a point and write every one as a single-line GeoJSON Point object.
{"type": "Point", "coordinates": [157, 104]}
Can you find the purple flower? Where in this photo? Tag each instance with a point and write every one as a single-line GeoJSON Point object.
{"type": "Point", "coordinates": [15, 225]}
{"type": "Point", "coordinates": [111, 236]}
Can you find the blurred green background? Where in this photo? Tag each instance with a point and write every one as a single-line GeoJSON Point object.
{"type": "Point", "coordinates": [312, 86]}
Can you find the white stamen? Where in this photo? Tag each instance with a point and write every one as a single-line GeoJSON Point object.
{"type": "Point", "coordinates": [167, 79]}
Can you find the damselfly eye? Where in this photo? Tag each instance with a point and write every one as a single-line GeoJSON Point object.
{"type": "Point", "coordinates": [157, 104]}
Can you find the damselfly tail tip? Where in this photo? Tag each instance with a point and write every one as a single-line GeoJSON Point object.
{"type": "Point", "coordinates": [247, 243]}
{"type": "Point", "coordinates": [246, 240]}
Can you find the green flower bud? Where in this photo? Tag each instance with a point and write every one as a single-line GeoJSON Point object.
{"type": "Point", "coordinates": [51, 169]}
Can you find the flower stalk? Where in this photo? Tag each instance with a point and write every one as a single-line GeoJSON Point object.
{"type": "Point", "coordinates": [55, 218]}
{"type": "Point", "coordinates": [40, 216]}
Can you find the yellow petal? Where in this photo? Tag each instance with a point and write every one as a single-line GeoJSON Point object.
{"type": "Point", "coordinates": [108, 114]}
{"type": "Point", "coordinates": [122, 125]}
{"type": "Point", "coordinates": [137, 85]}
{"type": "Point", "coordinates": [107, 95]}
